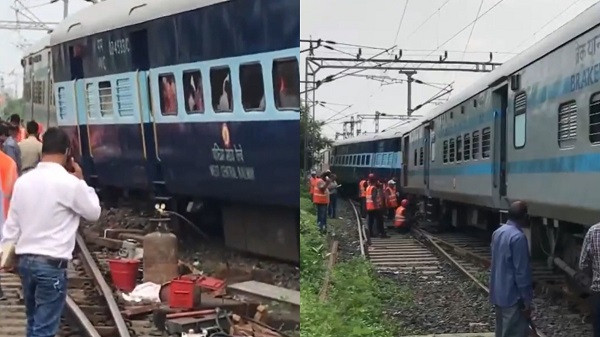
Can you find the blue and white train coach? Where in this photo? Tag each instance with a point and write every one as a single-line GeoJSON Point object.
{"type": "Point", "coordinates": [529, 130]}
{"type": "Point", "coordinates": [195, 101]}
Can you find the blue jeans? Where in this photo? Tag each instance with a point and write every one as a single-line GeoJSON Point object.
{"type": "Point", "coordinates": [322, 216]}
{"type": "Point", "coordinates": [45, 291]}
{"type": "Point", "coordinates": [332, 205]}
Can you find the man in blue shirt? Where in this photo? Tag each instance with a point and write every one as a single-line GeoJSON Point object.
{"type": "Point", "coordinates": [511, 289]}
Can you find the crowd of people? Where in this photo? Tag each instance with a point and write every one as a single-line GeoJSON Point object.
{"type": "Point", "coordinates": [378, 199]}
{"type": "Point", "coordinates": [43, 197]}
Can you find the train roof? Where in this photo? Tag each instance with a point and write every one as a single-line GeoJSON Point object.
{"type": "Point", "coordinates": [392, 133]}
{"type": "Point", "coordinates": [112, 14]}
{"type": "Point", "coordinates": [570, 30]}
{"type": "Point", "coordinates": [38, 46]}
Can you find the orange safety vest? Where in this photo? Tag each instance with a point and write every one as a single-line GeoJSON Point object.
{"type": "Point", "coordinates": [22, 134]}
{"type": "Point", "coordinates": [320, 197]}
{"type": "Point", "coordinates": [399, 219]}
{"type": "Point", "coordinates": [373, 204]}
{"type": "Point", "coordinates": [361, 188]}
{"type": "Point", "coordinates": [8, 177]}
{"type": "Point", "coordinates": [390, 198]}
{"type": "Point", "coordinates": [312, 183]}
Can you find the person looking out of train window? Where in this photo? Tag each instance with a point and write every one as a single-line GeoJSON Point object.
{"type": "Point", "coordinates": [375, 202]}
{"type": "Point", "coordinates": [11, 147]}
{"type": "Point", "coordinates": [590, 258]}
{"type": "Point", "coordinates": [225, 99]}
{"type": "Point", "coordinates": [333, 192]}
{"type": "Point", "coordinates": [31, 148]}
{"type": "Point", "coordinates": [43, 228]}
{"type": "Point", "coordinates": [321, 199]}
{"type": "Point", "coordinates": [391, 200]}
{"type": "Point", "coordinates": [511, 288]}
{"type": "Point", "coordinates": [16, 121]}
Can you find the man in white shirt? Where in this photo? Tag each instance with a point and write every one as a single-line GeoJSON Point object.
{"type": "Point", "coordinates": [42, 222]}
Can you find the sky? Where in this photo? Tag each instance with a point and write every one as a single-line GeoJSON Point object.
{"type": "Point", "coordinates": [508, 28]}
{"type": "Point", "coordinates": [10, 41]}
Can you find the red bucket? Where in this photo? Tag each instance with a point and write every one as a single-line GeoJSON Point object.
{"type": "Point", "coordinates": [124, 273]}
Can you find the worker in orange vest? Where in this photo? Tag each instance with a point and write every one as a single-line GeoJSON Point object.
{"type": "Point", "coordinates": [390, 199]}
{"type": "Point", "coordinates": [400, 221]}
{"type": "Point", "coordinates": [321, 199]}
{"type": "Point", "coordinates": [312, 180]}
{"type": "Point", "coordinates": [362, 193]}
{"type": "Point", "coordinates": [375, 205]}
{"type": "Point", "coordinates": [16, 121]}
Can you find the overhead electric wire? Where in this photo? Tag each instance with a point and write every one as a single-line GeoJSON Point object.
{"type": "Point", "coordinates": [472, 29]}
{"type": "Point", "coordinates": [427, 20]}
{"type": "Point", "coordinates": [561, 12]}
{"type": "Point", "coordinates": [401, 20]}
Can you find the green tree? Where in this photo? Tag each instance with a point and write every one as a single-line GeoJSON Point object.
{"type": "Point", "coordinates": [13, 106]}
{"type": "Point", "coordinates": [316, 140]}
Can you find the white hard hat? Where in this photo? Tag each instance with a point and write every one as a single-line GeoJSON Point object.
{"type": "Point", "coordinates": [391, 182]}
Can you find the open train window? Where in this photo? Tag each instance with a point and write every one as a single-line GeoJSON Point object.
{"type": "Point", "coordinates": [485, 143]}
{"type": "Point", "coordinates": [595, 118]}
{"type": "Point", "coordinates": [193, 92]}
{"type": "Point", "coordinates": [363, 159]}
{"type": "Point", "coordinates": [286, 81]}
{"type": "Point", "coordinates": [445, 152]}
{"type": "Point", "coordinates": [105, 98]}
{"type": "Point", "coordinates": [520, 120]}
{"type": "Point", "coordinates": [567, 124]}
{"type": "Point", "coordinates": [220, 85]}
{"type": "Point", "coordinates": [253, 88]}
{"type": "Point", "coordinates": [368, 160]}
{"type": "Point", "coordinates": [139, 49]}
{"type": "Point", "coordinates": [451, 149]}
{"type": "Point", "coordinates": [167, 94]}
{"type": "Point", "coordinates": [467, 146]}
{"type": "Point", "coordinates": [475, 145]}
{"type": "Point", "coordinates": [76, 61]}
{"type": "Point", "coordinates": [459, 148]}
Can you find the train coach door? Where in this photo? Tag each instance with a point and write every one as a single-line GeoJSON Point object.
{"type": "Point", "coordinates": [499, 101]}
{"type": "Point", "coordinates": [405, 158]}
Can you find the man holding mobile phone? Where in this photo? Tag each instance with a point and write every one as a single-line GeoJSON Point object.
{"type": "Point", "coordinates": [46, 207]}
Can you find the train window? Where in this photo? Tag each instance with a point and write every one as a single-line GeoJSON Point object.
{"type": "Point", "coordinates": [363, 159]}
{"type": "Point", "coordinates": [445, 154]}
{"type": "Point", "coordinates": [421, 156]}
{"type": "Point", "coordinates": [125, 105]}
{"type": "Point", "coordinates": [105, 98]}
{"type": "Point", "coordinates": [415, 158]}
{"type": "Point", "coordinates": [193, 93]}
{"type": "Point", "coordinates": [475, 151]}
{"type": "Point", "coordinates": [253, 88]}
{"type": "Point", "coordinates": [220, 83]}
{"type": "Point", "coordinates": [42, 92]}
{"type": "Point", "coordinates": [467, 147]}
{"type": "Point", "coordinates": [167, 94]}
{"type": "Point", "coordinates": [567, 124]}
{"type": "Point", "coordinates": [286, 81]}
{"type": "Point", "coordinates": [368, 160]}
{"type": "Point", "coordinates": [520, 120]}
{"type": "Point", "coordinates": [485, 143]}
{"type": "Point", "coordinates": [62, 105]}
{"type": "Point", "coordinates": [459, 148]}
{"type": "Point", "coordinates": [91, 100]}
{"type": "Point", "coordinates": [595, 118]}
{"type": "Point", "coordinates": [451, 151]}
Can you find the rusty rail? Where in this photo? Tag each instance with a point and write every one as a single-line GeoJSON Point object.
{"type": "Point", "coordinates": [107, 293]}
{"type": "Point", "coordinates": [484, 262]}
{"type": "Point", "coordinates": [82, 320]}
{"type": "Point", "coordinates": [362, 236]}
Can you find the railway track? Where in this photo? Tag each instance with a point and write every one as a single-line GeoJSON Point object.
{"type": "Point", "coordinates": [423, 253]}
{"type": "Point", "coordinates": [90, 310]}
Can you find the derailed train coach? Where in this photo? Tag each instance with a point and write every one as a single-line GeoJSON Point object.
{"type": "Point", "coordinates": [529, 130]}
{"type": "Point", "coordinates": [193, 102]}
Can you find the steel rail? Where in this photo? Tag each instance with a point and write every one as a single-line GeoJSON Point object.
{"type": "Point", "coordinates": [432, 240]}
{"type": "Point", "coordinates": [105, 289]}
{"type": "Point", "coordinates": [84, 322]}
{"type": "Point", "coordinates": [361, 234]}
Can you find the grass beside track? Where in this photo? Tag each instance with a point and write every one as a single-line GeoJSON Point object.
{"type": "Point", "coordinates": [357, 297]}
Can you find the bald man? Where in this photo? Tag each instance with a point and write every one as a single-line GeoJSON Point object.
{"type": "Point", "coordinates": [511, 288]}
